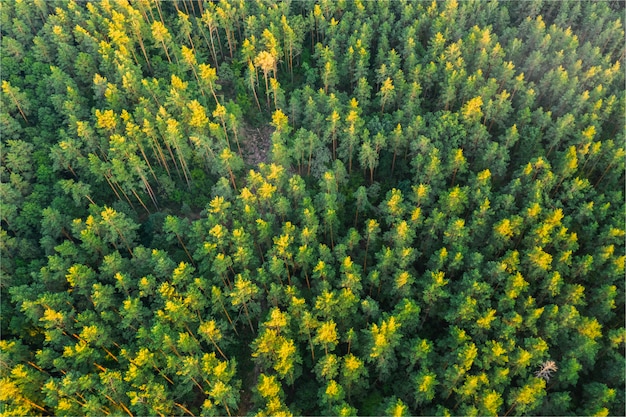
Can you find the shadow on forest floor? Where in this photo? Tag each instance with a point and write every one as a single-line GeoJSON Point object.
{"type": "Point", "coordinates": [256, 144]}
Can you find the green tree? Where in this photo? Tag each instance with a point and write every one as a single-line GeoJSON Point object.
{"type": "Point", "coordinates": [384, 340]}
{"type": "Point", "coordinates": [326, 335]}
{"type": "Point", "coordinates": [16, 98]}
{"type": "Point", "coordinates": [244, 294]}
{"type": "Point", "coordinates": [386, 93]}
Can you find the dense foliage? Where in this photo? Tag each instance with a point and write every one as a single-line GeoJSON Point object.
{"type": "Point", "coordinates": [322, 208]}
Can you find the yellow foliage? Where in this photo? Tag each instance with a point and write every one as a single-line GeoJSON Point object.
{"type": "Point", "coordinates": [106, 119]}
{"type": "Point", "coordinates": [590, 327]}
{"type": "Point", "coordinates": [485, 321]}
{"type": "Point", "coordinates": [266, 61]}
{"type": "Point", "coordinates": [179, 84]}
{"type": "Point", "coordinates": [540, 258]}
{"type": "Point", "coordinates": [472, 110]}
{"type": "Point", "coordinates": [268, 386]}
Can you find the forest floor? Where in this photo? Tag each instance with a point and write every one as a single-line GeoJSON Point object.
{"type": "Point", "coordinates": [256, 144]}
{"type": "Point", "coordinates": [249, 381]}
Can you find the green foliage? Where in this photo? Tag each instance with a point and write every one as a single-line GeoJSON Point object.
{"type": "Point", "coordinates": [324, 208]}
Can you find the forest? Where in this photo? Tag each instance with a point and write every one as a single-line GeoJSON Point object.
{"type": "Point", "coordinates": [350, 207]}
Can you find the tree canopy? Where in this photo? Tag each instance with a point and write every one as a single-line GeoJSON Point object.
{"type": "Point", "coordinates": [312, 208]}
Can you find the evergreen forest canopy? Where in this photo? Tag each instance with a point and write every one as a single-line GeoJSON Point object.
{"type": "Point", "coordinates": [317, 208]}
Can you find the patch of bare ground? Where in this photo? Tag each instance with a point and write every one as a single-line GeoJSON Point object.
{"type": "Point", "coordinates": [194, 215]}
{"type": "Point", "coordinates": [256, 144]}
{"type": "Point", "coordinates": [250, 380]}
